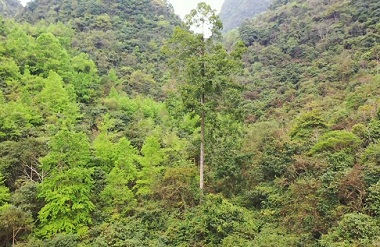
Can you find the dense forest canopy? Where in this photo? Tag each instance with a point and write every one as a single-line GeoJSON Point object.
{"type": "Point", "coordinates": [104, 106]}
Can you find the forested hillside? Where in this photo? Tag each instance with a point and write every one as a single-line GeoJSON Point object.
{"type": "Point", "coordinates": [235, 12]}
{"type": "Point", "coordinates": [313, 100]}
{"type": "Point", "coordinates": [122, 35]}
{"type": "Point", "coordinates": [9, 8]}
{"type": "Point", "coordinates": [120, 127]}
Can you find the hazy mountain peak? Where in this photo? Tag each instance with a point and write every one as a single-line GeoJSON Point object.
{"type": "Point", "coordinates": [234, 12]}
{"type": "Point", "coordinates": [9, 8]}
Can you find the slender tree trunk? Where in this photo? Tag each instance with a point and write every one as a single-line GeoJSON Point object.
{"type": "Point", "coordinates": [202, 155]}
{"type": "Point", "coordinates": [13, 237]}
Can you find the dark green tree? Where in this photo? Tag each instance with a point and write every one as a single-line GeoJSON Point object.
{"type": "Point", "coordinates": [4, 192]}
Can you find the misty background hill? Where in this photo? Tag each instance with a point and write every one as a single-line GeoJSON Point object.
{"type": "Point", "coordinates": [234, 12]}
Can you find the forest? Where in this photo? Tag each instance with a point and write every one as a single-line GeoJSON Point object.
{"type": "Point", "coordinates": [121, 125]}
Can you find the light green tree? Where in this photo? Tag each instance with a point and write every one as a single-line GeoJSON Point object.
{"type": "Point", "coordinates": [58, 106]}
{"type": "Point", "coordinates": [104, 148]}
{"type": "Point", "coordinates": [67, 149]}
{"type": "Point", "coordinates": [84, 77]}
{"type": "Point", "coordinates": [68, 205]}
{"type": "Point", "coordinates": [50, 55]}
{"type": "Point", "coordinates": [151, 163]}
{"type": "Point", "coordinates": [67, 185]}
{"type": "Point", "coordinates": [118, 193]}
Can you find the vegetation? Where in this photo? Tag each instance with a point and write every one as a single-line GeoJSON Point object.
{"type": "Point", "coordinates": [235, 12]}
{"type": "Point", "coordinates": [9, 8]}
{"type": "Point", "coordinates": [125, 36]}
{"type": "Point", "coordinates": [99, 142]}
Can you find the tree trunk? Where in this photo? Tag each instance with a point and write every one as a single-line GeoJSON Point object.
{"type": "Point", "coordinates": [202, 154]}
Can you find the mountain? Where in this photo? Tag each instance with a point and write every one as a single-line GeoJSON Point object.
{"type": "Point", "coordinates": [312, 85]}
{"type": "Point", "coordinates": [301, 49]}
{"type": "Point", "coordinates": [9, 8]}
{"type": "Point", "coordinates": [234, 12]}
{"type": "Point", "coordinates": [121, 35]}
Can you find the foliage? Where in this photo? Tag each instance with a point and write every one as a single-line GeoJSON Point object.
{"type": "Point", "coordinates": [271, 237]}
{"type": "Point", "coordinates": [178, 187]}
{"type": "Point", "coordinates": [101, 123]}
{"type": "Point", "coordinates": [308, 127]}
{"type": "Point", "coordinates": [14, 223]}
{"type": "Point", "coordinates": [4, 192]}
{"type": "Point", "coordinates": [373, 198]}
{"type": "Point", "coordinates": [132, 231]}
{"type": "Point", "coordinates": [115, 34]}
{"type": "Point", "coordinates": [67, 149]}
{"type": "Point", "coordinates": [150, 161]}
{"type": "Point", "coordinates": [214, 222]}
{"type": "Point", "coordinates": [66, 190]}
{"type": "Point", "coordinates": [335, 141]}
{"type": "Point", "coordinates": [68, 205]}
{"type": "Point", "coordinates": [353, 230]}
{"type": "Point", "coordinates": [118, 191]}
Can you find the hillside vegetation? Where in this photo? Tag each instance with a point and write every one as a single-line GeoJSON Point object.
{"type": "Point", "coordinates": [9, 8]}
{"type": "Point", "coordinates": [107, 108]}
{"type": "Point", "coordinates": [312, 93]}
{"type": "Point", "coordinates": [235, 12]}
{"type": "Point", "coordinates": [124, 36]}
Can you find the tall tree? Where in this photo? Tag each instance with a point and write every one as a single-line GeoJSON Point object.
{"type": "Point", "coordinates": [204, 68]}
